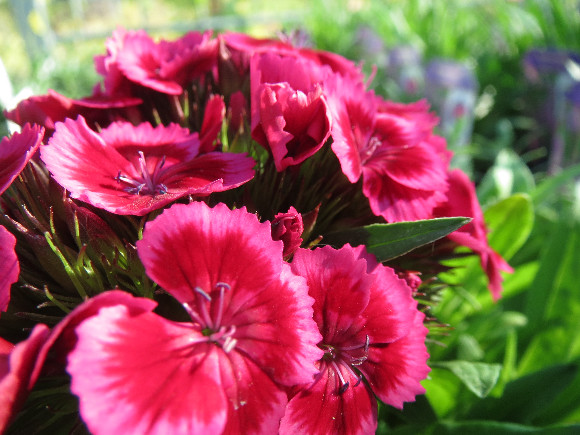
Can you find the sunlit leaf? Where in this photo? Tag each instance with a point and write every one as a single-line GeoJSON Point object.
{"type": "Point", "coordinates": [388, 241]}
{"type": "Point", "coordinates": [479, 377]}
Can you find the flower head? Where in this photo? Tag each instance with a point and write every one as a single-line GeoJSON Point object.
{"type": "Point", "coordinates": [132, 170]}
{"type": "Point", "coordinates": [371, 330]}
{"type": "Point", "coordinates": [402, 164]}
{"type": "Point", "coordinates": [165, 66]}
{"type": "Point", "coordinates": [250, 333]}
{"type": "Point", "coordinates": [290, 116]}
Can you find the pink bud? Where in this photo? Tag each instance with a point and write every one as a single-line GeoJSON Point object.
{"type": "Point", "coordinates": [288, 227]}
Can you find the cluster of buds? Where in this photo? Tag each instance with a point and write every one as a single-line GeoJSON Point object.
{"type": "Point", "coordinates": [166, 254]}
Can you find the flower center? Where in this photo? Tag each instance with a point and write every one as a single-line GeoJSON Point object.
{"type": "Point", "coordinates": [367, 152]}
{"type": "Point", "coordinates": [209, 316]}
{"type": "Point", "coordinates": [149, 183]}
{"type": "Point", "coordinates": [346, 358]}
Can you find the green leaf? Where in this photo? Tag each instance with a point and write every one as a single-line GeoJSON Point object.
{"type": "Point", "coordinates": [525, 398]}
{"type": "Point", "coordinates": [479, 377]}
{"type": "Point", "coordinates": [508, 175]}
{"type": "Point", "coordinates": [510, 223]}
{"type": "Point", "coordinates": [551, 185]}
{"type": "Point", "coordinates": [483, 428]}
{"type": "Point", "coordinates": [388, 241]}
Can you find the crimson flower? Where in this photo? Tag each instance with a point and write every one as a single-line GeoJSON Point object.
{"type": "Point", "coordinates": [165, 66]}
{"type": "Point", "coordinates": [402, 164]}
{"type": "Point", "coordinates": [462, 201]}
{"type": "Point", "coordinates": [371, 329]}
{"type": "Point", "coordinates": [290, 116]}
{"type": "Point", "coordinates": [15, 152]}
{"type": "Point", "coordinates": [128, 169]}
{"type": "Point", "coordinates": [250, 333]}
{"type": "Point", "coordinates": [46, 110]}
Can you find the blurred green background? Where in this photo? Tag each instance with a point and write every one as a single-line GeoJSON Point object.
{"type": "Point", "coordinates": [511, 69]}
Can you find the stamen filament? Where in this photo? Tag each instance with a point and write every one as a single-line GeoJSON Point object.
{"type": "Point", "coordinates": [194, 316]}
{"type": "Point", "coordinates": [222, 287]}
{"type": "Point", "coordinates": [203, 307]}
{"type": "Point", "coordinates": [343, 383]}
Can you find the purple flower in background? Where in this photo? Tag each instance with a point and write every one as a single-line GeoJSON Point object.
{"type": "Point", "coordinates": [451, 87]}
{"type": "Point", "coordinates": [405, 67]}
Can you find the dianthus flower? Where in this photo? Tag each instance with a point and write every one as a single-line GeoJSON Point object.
{"type": "Point", "coordinates": [290, 116]}
{"type": "Point", "coordinates": [402, 164]}
{"type": "Point", "coordinates": [165, 66]}
{"type": "Point", "coordinates": [249, 336]}
{"type": "Point", "coordinates": [373, 340]}
{"type": "Point", "coordinates": [128, 169]}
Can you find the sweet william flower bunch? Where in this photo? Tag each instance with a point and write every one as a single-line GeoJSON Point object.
{"type": "Point", "coordinates": [205, 244]}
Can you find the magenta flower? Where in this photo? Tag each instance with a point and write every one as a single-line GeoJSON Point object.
{"type": "Point", "coordinates": [15, 152]}
{"type": "Point", "coordinates": [290, 116]}
{"type": "Point", "coordinates": [251, 333]}
{"type": "Point", "coordinates": [133, 170]}
{"type": "Point", "coordinates": [165, 66]}
{"type": "Point", "coordinates": [402, 164]}
{"type": "Point", "coordinates": [46, 110]}
{"type": "Point", "coordinates": [245, 45]}
{"type": "Point", "coordinates": [18, 372]}
{"type": "Point", "coordinates": [462, 201]}
{"type": "Point", "coordinates": [371, 329]}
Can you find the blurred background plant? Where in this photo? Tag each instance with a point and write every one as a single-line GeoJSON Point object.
{"type": "Point", "coordinates": [504, 78]}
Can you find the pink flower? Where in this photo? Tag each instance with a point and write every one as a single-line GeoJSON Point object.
{"type": "Point", "coordinates": [290, 116]}
{"type": "Point", "coordinates": [165, 66]}
{"type": "Point", "coordinates": [15, 152]}
{"type": "Point", "coordinates": [371, 329]}
{"type": "Point", "coordinates": [403, 165]}
{"type": "Point", "coordinates": [18, 372]}
{"type": "Point", "coordinates": [244, 46]}
{"type": "Point", "coordinates": [288, 227]}
{"type": "Point", "coordinates": [47, 110]}
{"type": "Point", "coordinates": [133, 170]}
{"type": "Point", "coordinates": [250, 333]}
{"type": "Point", "coordinates": [462, 201]}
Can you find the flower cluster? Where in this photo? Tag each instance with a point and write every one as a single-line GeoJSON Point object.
{"type": "Point", "coordinates": [163, 264]}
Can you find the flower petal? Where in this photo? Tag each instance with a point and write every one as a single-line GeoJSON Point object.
{"type": "Point", "coordinates": [17, 377]}
{"type": "Point", "coordinates": [256, 404]}
{"type": "Point", "coordinates": [16, 151]}
{"type": "Point", "coordinates": [395, 371]}
{"type": "Point", "coordinates": [9, 267]}
{"type": "Point", "coordinates": [320, 410]}
{"type": "Point", "coordinates": [132, 381]}
{"type": "Point", "coordinates": [340, 286]}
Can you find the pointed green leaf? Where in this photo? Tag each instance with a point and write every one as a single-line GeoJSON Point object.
{"type": "Point", "coordinates": [388, 241]}
{"type": "Point", "coordinates": [527, 397]}
{"type": "Point", "coordinates": [551, 185]}
{"type": "Point", "coordinates": [479, 377]}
